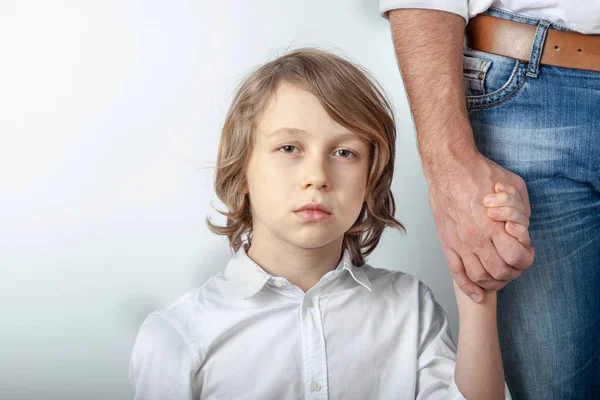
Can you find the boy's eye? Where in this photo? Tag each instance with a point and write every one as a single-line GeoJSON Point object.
{"type": "Point", "coordinates": [288, 148]}
{"type": "Point", "coordinates": [345, 153]}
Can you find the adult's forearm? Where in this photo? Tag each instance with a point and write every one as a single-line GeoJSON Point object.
{"type": "Point", "coordinates": [428, 46]}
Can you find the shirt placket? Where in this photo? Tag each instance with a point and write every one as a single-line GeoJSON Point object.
{"type": "Point", "coordinates": [313, 342]}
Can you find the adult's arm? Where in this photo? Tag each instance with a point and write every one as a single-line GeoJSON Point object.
{"type": "Point", "coordinates": [480, 254]}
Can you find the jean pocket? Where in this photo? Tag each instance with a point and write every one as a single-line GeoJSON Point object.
{"type": "Point", "coordinates": [490, 79]}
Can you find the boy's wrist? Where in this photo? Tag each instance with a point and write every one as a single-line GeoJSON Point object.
{"type": "Point", "coordinates": [466, 305]}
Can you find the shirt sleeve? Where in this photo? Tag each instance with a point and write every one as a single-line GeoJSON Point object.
{"type": "Point", "coordinates": [162, 361]}
{"type": "Point", "coordinates": [437, 355]}
{"type": "Point", "coordinates": [455, 394]}
{"type": "Point", "coordinates": [460, 7]}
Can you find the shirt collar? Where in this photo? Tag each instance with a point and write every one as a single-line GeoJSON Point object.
{"type": "Point", "coordinates": [358, 273]}
{"type": "Point", "coordinates": [250, 278]}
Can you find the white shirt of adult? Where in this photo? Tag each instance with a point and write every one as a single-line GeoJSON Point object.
{"type": "Point", "coordinates": [359, 333]}
{"type": "Point", "coordinates": [579, 15]}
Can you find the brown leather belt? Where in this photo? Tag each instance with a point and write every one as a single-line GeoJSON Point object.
{"type": "Point", "coordinates": [514, 39]}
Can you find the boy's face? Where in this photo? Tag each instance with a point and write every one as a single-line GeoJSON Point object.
{"type": "Point", "coordinates": [303, 158]}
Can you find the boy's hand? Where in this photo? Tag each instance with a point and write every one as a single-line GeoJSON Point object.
{"type": "Point", "coordinates": [506, 206]}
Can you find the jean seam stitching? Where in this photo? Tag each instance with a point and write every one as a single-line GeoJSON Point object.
{"type": "Point", "coordinates": [501, 101]}
{"type": "Point", "coordinates": [515, 15]}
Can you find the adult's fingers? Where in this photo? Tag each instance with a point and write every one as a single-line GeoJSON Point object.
{"type": "Point", "coordinates": [502, 214]}
{"type": "Point", "coordinates": [456, 267]}
{"type": "Point", "coordinates": [512, 251]}
{"type": "Point", "coordinates": [518, 231]}
{"type": "Point", "coordinates": [480, 275]}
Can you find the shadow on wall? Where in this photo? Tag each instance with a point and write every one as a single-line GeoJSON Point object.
{"type": "Point", "coordinates": [133, 310]}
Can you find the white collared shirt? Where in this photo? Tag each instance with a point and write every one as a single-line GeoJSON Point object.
{"type": "Point", "coordinates": [359, 333]}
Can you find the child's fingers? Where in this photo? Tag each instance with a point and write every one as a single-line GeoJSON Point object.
{"type": "Point", "coordinates": [506, 214]}
{"type": "Point", "coordinates": [518, 231]}
{"type": "Point", "coordinates": [507, 188]}
{"type": "Point", "coordinates": [503, 199]}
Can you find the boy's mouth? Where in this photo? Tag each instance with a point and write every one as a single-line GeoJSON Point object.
{"type": "Point", "coordinates": [313, 212]}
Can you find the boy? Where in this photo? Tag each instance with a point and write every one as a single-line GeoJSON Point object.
{"type": "Point", "coordinates": [304, 167]}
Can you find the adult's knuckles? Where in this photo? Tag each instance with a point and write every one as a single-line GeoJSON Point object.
{"type": "Point", "coordinates": [516, 257]}
{"type": "Point", "coordinates": [501, 273]}
{"type": "Point", "coordinates": [478, 277]}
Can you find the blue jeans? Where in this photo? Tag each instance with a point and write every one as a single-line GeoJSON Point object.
{"type": "Point", "coordinates": [543, 123]}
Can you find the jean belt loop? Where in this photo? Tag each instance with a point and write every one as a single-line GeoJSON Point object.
{"type": "Point", "coordinates": [536, 49]}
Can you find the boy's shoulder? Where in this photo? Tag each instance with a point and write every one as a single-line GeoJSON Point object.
{"type": "Point", "coordinates": [212, 294]}
{"type": "Point", "coordinates": [185, 312]}
{"type": "Point", "coordinates": [178, 326]}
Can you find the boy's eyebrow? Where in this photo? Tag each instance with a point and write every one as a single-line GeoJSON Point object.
{"type": "Point", "coordinates": [296, 131]}
{"type": "Point", "coordinates": [288, 131]}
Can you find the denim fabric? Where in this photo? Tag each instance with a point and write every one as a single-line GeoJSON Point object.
{"type": "Point", "coordinates": [543, 123]}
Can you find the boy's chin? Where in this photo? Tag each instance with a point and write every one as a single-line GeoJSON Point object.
{"type": "Point", "coordinates": [315, 241]}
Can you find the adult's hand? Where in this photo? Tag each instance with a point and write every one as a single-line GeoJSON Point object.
{"type": "Point", "coordinates": [480, 253]}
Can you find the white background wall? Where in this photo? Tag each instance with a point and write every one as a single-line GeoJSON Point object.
{"type": "Point", "coordinates": [109, 120]}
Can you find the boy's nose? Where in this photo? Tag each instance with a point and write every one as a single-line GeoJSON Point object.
{"type": "Point", "coordinates": [317, 176]}
{"type": "Point", "coordinates": [318, 183]}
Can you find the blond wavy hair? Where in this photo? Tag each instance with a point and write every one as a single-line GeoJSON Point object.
{"type": "Point", "coordinates": [351, 97]}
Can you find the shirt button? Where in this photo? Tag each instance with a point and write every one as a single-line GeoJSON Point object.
{"type": "Point", "coordinates": [309, 303]}
{"type": "Point", "coordinates": [315, 386]}
{"type": "Point", "coordinates": [278, 283]}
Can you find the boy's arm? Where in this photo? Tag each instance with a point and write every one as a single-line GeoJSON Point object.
{"type": "Point", "coordinates": [428, 46]}
{"type": "Point", "coordinates": [479, 373]}
{"type": "Point", "coordinates": [479, 369]}
{"type": "Point", "coordinates": [162, 362]}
